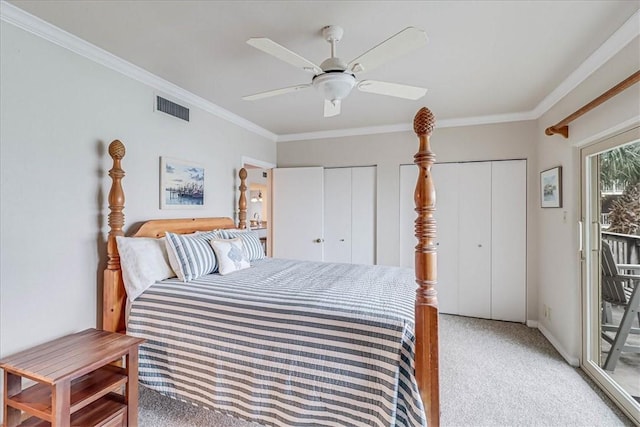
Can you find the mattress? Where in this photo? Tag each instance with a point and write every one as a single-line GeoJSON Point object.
{"type": "Point", "coordinates": [286, 343]}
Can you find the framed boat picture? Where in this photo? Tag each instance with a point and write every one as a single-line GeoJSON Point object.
{"type": "Point", "coordinates": [181, 184]}
{"type": "Point", "coordinates": [551, 188]}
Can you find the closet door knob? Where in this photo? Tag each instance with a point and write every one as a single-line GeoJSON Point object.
{"type": "Point", "coordinates": [479, 245]}
{"type": "Point", "coordinates": [319, 240]}
{"type": "Point", "coordinates": [342, 240]}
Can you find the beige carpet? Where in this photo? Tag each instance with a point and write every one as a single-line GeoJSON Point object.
{"type": "Point", "coordinates": [492, 374]}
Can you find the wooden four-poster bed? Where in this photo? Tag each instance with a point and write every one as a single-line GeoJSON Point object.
{"type": "Point", "coordinates": [416, 337]}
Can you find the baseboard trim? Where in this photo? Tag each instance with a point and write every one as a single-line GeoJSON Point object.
{"type": "Point", "coordinates": [571, 360]}
{"type": "Point", "coordinates": [532, 323]}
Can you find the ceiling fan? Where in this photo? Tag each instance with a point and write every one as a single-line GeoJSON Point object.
{"type": "Point", "coordinates": [335, 78]}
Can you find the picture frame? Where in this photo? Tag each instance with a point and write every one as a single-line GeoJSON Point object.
{"type": "Point", "coordinates": [551, 188]}
{"type": "Point", "coordinates": [181, 184]}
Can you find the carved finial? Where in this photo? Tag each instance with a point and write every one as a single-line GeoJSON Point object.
{"type": "Point", "coordinates": [424, 122]}
{"type": "Point", "coordinates": [116, 149]}
{"type": "Point", "coordinates": [242, 203]}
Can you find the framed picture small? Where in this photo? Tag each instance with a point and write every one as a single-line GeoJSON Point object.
{"type": "Point", "coordinates": [181, 184]}
{"type": "Point", "coordinates": [551, 188]}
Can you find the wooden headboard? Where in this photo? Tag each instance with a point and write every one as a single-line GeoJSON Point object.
{"type": "Point", "coordinates": [426, 306]}
{"type": "Point", "coordinates": [114, 295]}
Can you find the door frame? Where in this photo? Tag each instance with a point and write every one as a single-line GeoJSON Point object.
{"type": "Point", "coordinates": [261, 164]}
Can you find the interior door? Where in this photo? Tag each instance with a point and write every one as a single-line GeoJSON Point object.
{"type": "Point", "coordinates": [509, 235]}
{"type": "Point", "coordinates": [408, 179]}
{"type": "Point", "coordinates": [474, 298]}
{"type": "Point", "coordinates": [447, 181]}
{"type": "Point", "coordinates": [297, 207]}
{"type": "Point", "coordinates": [363, 215]}
{"type": "Point", "coordinates": [337, 215]}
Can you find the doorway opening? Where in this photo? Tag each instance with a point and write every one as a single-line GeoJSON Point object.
{"type": "Point", "coordinates": [258, 199]}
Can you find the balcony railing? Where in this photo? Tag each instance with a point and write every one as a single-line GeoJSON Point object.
{"type": "Point", "coordinates": [612, 189]}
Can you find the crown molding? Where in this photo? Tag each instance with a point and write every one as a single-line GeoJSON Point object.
{"type": "Point", "coordinates": [614, 44]}
{"type": "Point", "coordinates": [405, 127]}
{"type": "Point", "coordinates": [30, 23]}
{"type": "Point", "coordinates": [339, 133]}
{"type": "Point", "coordinates": [16, 16]}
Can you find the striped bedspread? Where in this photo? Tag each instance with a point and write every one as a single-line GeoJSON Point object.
{"type": "Point", "coordinates": [286, 343]}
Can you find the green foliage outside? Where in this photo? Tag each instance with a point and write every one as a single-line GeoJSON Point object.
{"type": "Point", "coordinates": [622, 167]}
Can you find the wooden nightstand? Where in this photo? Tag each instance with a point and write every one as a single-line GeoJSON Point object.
{"type": "Point", "coordinates": [77, 384]}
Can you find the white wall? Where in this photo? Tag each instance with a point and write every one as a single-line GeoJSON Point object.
{"type": "Point", "coordinates": [59, 112]}
{"type": "Point", "coordinates": [388, 151]}
{"type": "Point", "coordinates": [559, 263]}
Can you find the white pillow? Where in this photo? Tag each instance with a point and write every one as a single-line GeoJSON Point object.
{"type": "Point", "coordinates": [143, 261]}
{"type": "Point", "coordinates": [231, 255]}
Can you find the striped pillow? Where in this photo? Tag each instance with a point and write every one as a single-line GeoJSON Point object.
{"type": "Point", "coordinates": [251, 241]}
{"type": "Point", "coordinates": [191, 255]}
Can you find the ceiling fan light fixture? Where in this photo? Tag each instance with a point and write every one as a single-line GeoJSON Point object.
{"type": "Point", "coordinates": [334, 86]}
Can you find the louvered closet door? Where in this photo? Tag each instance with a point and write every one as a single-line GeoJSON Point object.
{"type": "Point", "coordinates": [474, 259]}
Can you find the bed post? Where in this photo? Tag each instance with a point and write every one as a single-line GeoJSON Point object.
{"type": "Point", "coordinates": [425, 266]}
{"type": "Point", "coordinates": [242, 203]}
{"type": "Point", "coordinates": [113, 292]}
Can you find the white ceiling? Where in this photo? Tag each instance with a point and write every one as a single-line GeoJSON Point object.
{"type": "Point", "coordinates": [483, 58]}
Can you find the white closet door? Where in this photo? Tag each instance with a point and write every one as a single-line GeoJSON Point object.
{"type": "Point", "coordinates": [297, 220]}
{"type": "Point", "coordinates": [363, 215]}
{"type": "Point", "coordinates": [447, 181]}
{"type": "Point", "coordinates": [337, 215]}
{"type": "Point", "coordinates": [508, 225]}
{"type": "Point", "coordinates": [408, 178]}
{"type": "Point", "coordinates": [475, 240]}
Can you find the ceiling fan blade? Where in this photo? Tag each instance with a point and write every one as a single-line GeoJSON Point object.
{"type": "Point", "coordinates": [405, 41]}
{"type": "Point", "coordinates": [331, 108]}
{"type": "Point", "coordinates": [274, 49]}
{"type": "Point", "coordinates": [275, 92]}
{"type": "Point", "coordinates": [392, 89]}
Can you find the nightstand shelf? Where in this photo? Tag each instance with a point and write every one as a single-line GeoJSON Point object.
{"type": "Point", "coordinates": [108, 411]}
{"type": "Point", "coordinates": [76, 382]}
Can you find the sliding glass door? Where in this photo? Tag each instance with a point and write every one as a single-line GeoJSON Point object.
{"type": "Point", "coordinates": [610, 235]}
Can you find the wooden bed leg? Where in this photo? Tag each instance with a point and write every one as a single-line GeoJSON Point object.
{"type": "Point", "coordinates": [426, 315]}
{"type": "Point", "coordinates": [242, 203]}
